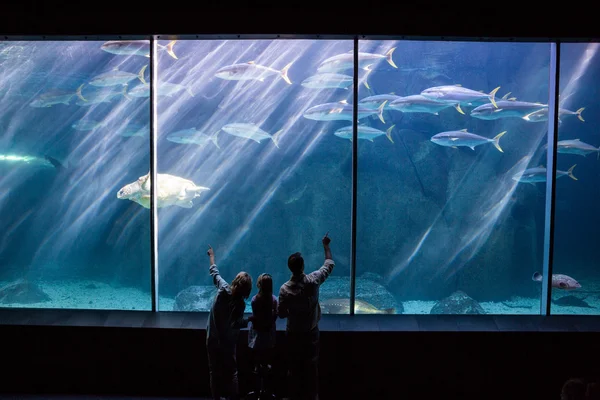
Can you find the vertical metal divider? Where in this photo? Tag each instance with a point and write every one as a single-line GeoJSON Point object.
{"type": "Point", "coordinates": [153, 174]}
{"type": "Point", "coordinates": [552, 138]}
{"type": "Point", "coordinates": [354, 177]}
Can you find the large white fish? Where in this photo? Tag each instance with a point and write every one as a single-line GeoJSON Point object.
{"type": "Point", "coordinates": [251, 70]}
{"type": "Point", "coordinates": [345, 61]}
{"type": "Point", "coordinates": [559, 281]}
{"type": "Point", "coordinates": [135, 47]}
{"type": "Point", "coordinates": [252, 132]}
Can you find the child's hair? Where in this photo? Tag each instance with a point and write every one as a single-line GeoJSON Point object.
{"type": "Point", "coordinates": [264, 284]}
{"type": "Point", "coordinates": [241, 285]}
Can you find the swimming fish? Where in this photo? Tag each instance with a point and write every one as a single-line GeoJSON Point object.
{"type": "Point", "coordinates": [193, 136]}
{"type": "Point", "coordinates": [542, 114]}
{"type": "Point", "coordinates": [296, 195]}
{"type": "Point", "coordinates": [364, 132]}
{"type": "Point", "coordinates": [373, 102]}
{"type": "Point", "coordinates": [418, 103]}
{"type": "Point", "coordinates": [342, 306]}
{"type": "Point", "coordinates": [538, 174]}
{"type": "Point", "coordinates": [506, 109]}
{"type": "Point", "coordinates": [116, 77]}
{"type": "Point", "coordinates": [345, 61]}
{"type": "Point", "coordinates": [252, 132]}
{"type": "Point", "coordinates": [53, 97]}
{"type": "Point", "coordinates": [135, 47]}
{"type": "Point", "coordinates": [341, 111]}
{"type": "Point", "coordinates": [251, 70]}
{"type": "Point", "coordinates": [559, 281]}
{"type": "Point", "coordinates": [457, 95]}
{"type": "Point", "coordinates": [464, 138]}
{"type": "Point", "coordinates": [576, 146]}
{"type": "Point", "coordinates": [329, 81]}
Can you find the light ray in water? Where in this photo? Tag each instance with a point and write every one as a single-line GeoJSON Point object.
{"type": "Point", "coordinates": [573, 82]}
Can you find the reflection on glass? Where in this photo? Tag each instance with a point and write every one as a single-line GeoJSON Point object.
{"type": "Point", "coordinates": [71, 139]}
{"type": "Point", "coordinates": [446, 222]}
{"type": "Point", "coordinates": [252, 165]}
{"type": "Point", "coordinates": [575, 280]}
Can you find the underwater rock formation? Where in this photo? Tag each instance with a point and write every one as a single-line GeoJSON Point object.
{"type": "Point", "coordinates": [195, 298]}
{"type": "Point", "coordinates": [22, 292]}
{"type": "Point", "coordinates": [366, 289]}
{"type": "Point", "coordinates": [457, 303]}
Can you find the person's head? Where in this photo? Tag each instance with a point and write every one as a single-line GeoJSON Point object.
{"type": "Point", "coordinates": [573, 389]}
{"type": "Point", "coordinates": [296, 263]}
{"type": "Point", "coordinates": [264, 284]}
{"type": "Point", "coordinates": [241, 285]}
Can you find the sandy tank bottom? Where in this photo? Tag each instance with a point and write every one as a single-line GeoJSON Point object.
{"type": "Point", "coordinates": [88, 294]}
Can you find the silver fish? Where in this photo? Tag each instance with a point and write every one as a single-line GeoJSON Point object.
{"type": "Point", "coordinates": [116, 77]}
{"type": "Point", "coordinates": [345, 61]}
{"type": "Point", "coordinates": [538, 174]}
{"type": "Point", "coordinates": [464, 138]}
{"type": "Point", "coordinates": [364, 132]}
{"type": "Point", "coordinates": [576, 146]}
{"type": "Point", "coordinates": [373, 102]}
{"type": "Point", "coordinates": [456, 94]}
{"type": "Point", "coordinates": [506, 109]}
{"type": "Point", "coordinates": [328, 81]}
{"type": "Point", "coordinates": [53, 97]}
{"type": "Point", "coordinates": [341, 111]}
{"type": "Point", "coordinates": [542, 114]}
{"type": "Point", "coordinates": [559, 281]}
{"type": "Point", "coordinates": [251, 70]}
{"type": "Point", "coordinates": [418, 103]}
{"type": "Point", "coordinates": [135, 47]}
{"type": "Point", "coordinates": [192, 136]}
{"type": "Point", "coordinates": [252, 132]}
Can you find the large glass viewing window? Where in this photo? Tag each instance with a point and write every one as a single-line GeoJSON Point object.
{"type": "Point", "coordinates": [71, 138]}
{"type": "Point", "coordinates": [436, 171]}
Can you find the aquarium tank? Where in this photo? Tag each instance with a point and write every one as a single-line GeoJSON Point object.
{"type": "Point", "coordinates": [254, 157]}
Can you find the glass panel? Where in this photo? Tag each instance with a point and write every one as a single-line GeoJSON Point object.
{"type": "Point", "coordinates": [444, 226]}
{"type": "Point", "coordinates": [575, 280]}
{"type": "Point", "coordinates": [69, 143]}
{"type": "Point", "coordinates": [251, 167]}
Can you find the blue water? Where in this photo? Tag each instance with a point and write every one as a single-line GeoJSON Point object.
{"type": "Point", "coordinates": [431, 219]}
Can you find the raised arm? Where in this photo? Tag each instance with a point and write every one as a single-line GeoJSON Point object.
{"type": "Point", "coordinates": [319, 276]}
{"type": "Point", "coordinates": [219, 282]}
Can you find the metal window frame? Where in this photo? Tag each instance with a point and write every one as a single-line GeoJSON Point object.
{"type": "Point", "coordinates": [552, 134]}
